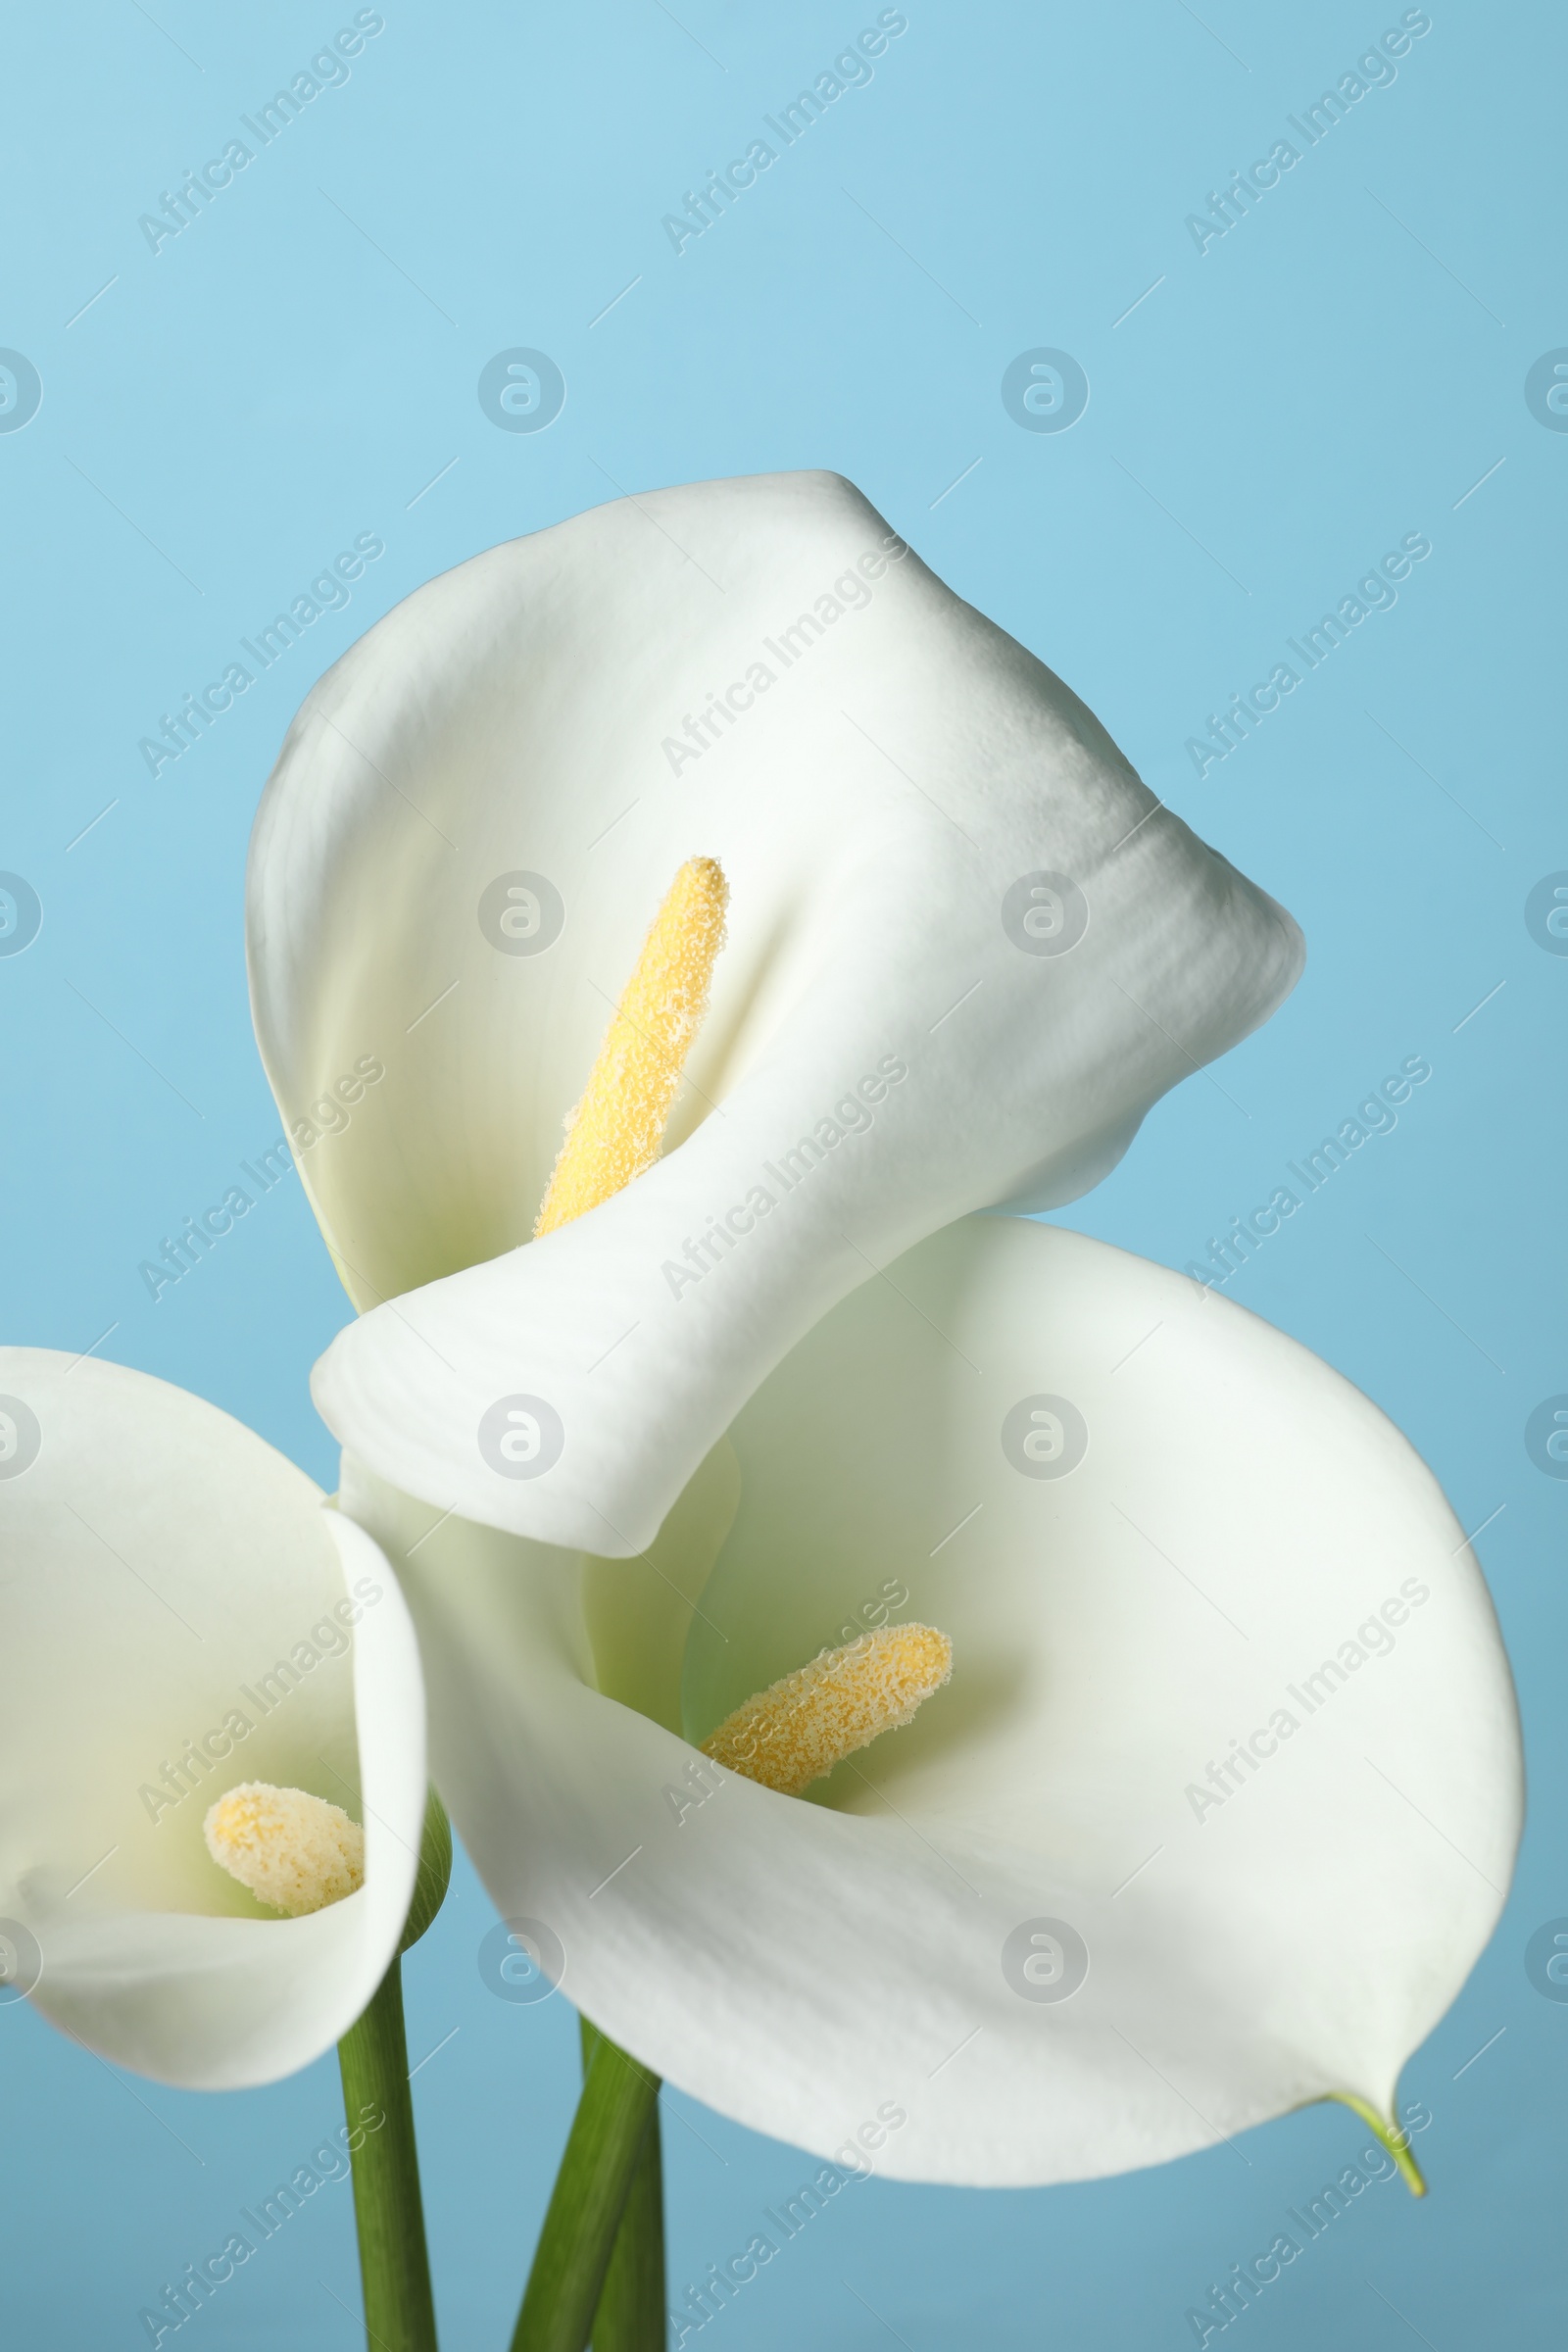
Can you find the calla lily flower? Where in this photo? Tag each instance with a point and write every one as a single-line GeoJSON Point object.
{"type": "Point", "coordinates": [182, 1616]}
{"type": "Point", "coordinates": [968, 950]}
{"type": "Point", "coordinates": [1211, 1818]}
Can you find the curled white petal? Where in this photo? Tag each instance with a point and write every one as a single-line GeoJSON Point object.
{"type": "Point", "coordinates": [1215, 1815]}
{"type": "Point", "coordinates": [967, 950]}
{"type": "Point", "coordinates": [170, 1579]}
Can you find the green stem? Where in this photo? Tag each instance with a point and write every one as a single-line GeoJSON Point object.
{"type": "Point", "coordinates": [631, 2304]}
{"type": "Point", "coordinates": [586, 2205]}
{"type": "Point", "coordinates": [1397, 2143]}
{"type": "Point", "coordinates": [394, 2268]}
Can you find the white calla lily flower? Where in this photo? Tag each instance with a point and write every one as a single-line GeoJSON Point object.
{"type": "Point", "coordinates": [968, 950]}
{"type": "Point", "coordinates": [182, 1616]}
{"type": "Point", "coordinates": [1213, 1818]}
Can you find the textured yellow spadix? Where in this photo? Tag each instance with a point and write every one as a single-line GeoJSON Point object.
{"type": "Point", "coordinates": [800, 1727]}
{"type": "Point", "coordinates": [615, 1131]}
{"type": "Point", "coordinates": [297, 1852]}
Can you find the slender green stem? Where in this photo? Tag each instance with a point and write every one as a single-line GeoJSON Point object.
{"type": "Point", "coordinates": [586, 2205]}
{"type": "Point", "coordinates": [631, 2304]}
{"type": "Point", "coordinates": [394, 2268]}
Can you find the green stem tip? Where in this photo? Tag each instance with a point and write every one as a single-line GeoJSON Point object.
{"type": "Point", "coordinates": [1394, 2138]}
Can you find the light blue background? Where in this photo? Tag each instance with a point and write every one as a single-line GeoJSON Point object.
{"type": "Point", "coordinates": [1338, 370]}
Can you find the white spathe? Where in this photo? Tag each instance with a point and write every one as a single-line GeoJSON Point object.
{"type": "Point", "coordinates": [968, 950]}
{"type": "Point", "coordinates": [169, 1579]}
{"type": "Point", "coordinates": [1243, 1551]}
